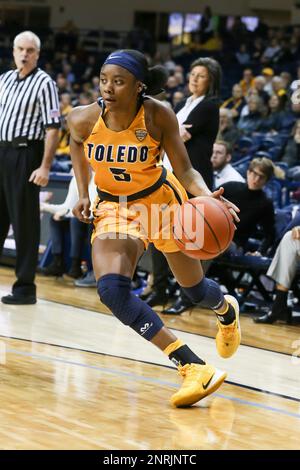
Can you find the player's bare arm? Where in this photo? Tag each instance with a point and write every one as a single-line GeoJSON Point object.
{"type": "Point", "coordinates": [172, 143]}
{"type": "Point", "coordinates": [81, 121]}
{"type": "Point", "coordinates": [191, 179]}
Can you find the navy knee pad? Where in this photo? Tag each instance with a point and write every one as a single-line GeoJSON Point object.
{"type": "Point", "coordinates": [206, 294]}
{"type": "Point", "coordinates": [115, 292]}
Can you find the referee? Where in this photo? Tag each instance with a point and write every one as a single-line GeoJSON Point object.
{"type": "Point", "coordinates": [29, 126]}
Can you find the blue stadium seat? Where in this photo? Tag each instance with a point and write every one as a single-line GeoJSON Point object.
{"type": "Point", "coordinates": [263, 153]}
{"type": "Point", "coordinates": [275, 152]}
{"type": "Point", "coordinates": [273, 189]}
{"type": "Point", "coordinates": [258, 137]}
{"type": "Point", "coordinates": [242, 165]}
{"type": "Point", "coordinates": [268, 143]}
{"type": "Point", "coordinates": [246, 145]}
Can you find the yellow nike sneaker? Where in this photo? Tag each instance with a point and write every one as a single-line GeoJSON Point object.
{"type": "Point", "coordinates": [198, 382]}
{"type": "Point", "coordinates": [229, 336]}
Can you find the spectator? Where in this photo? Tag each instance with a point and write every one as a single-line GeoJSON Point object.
{"type": "Point", "coordinates": [171, 87]}
{"type": "Point", "coordinates": [63, 148]}
{"type": "Point", "coordinates": [291, 115]}
{"type": "Point", "coordinates": [252, 121]}
{"type": "Point", "coordinates": [177, 98]}
{"type": "Point", "coordinates": [96, 84]}
{"type": "Point", "coordinates": [247, 81]}
{"type": "Point", "coordinates": [245, 110]}
{"type": "Point", "coordinates": [179, 75]}
{"type": "Point", "coordinates": [223, 170]}
{"type": "Point", "coordinates": [259, 84]}
{"type": "Point", "coordinates": [256, 208]}
{"type": "Point", "coordinates": [258, 50]}
{"type": "Point", "coordinates": [61, 223]}
{"type": "Point", "coordinates": [270, 52]}
{"type": "Point", "coordinates": [274, 121]}
{"type": "Point", "coordinates": [236, 102]}
{"type": "Point", "coordinates": [65, 104]}
{"type": "Point", "coordinates": [85, 98]}
{"type": "Point", "coordinates": [63, 85]}
{"type": "Point", "coordinates": [91, 70]}
{"type": "Point", "coordinates": [292, 150]}
{"type": "Point", "coordinates": [68, 73]}
{"type": "Point", "coordinates": [283, 270]}
{"type": "Point", "coordinates": [198, 115]}
{"type": "Point", "coordinates": [242, 55]}
{"type": "Point", "coordinates": [268, 73]}
{"type": "Point", "coordinates": [227, 129]}
{"type": "Point", "coordinates": [286, 79]}
{"type": "Point", "coordinates": [278, 87]}
{"type": "Point", "coordinates": [167, 62]}
{"type": "Point", "coordinates": [284, 55]}
{"type": "Point", "coordinates": [23, 130]}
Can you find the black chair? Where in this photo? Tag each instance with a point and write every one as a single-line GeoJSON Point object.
{"type": "Point", "coordinates": [248, 270]}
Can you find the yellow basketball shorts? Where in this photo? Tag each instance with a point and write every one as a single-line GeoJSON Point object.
{"type": "Point", "coordinates": [149, 219]}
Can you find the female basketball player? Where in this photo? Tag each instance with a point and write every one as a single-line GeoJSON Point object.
{"type": "Point", "coordinates": [121, 137]}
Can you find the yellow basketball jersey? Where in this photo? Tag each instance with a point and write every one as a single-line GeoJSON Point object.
{"type": "Point", "coordinates": [124, 162]}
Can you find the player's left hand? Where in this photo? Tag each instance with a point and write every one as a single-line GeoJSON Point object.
{"type": "Point", "coordinates": [233, 209]}
{"type": "Point", "coordinates": [40, 176]}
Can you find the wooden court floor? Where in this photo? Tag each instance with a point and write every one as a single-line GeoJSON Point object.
{"type": "Point", "coordinates": [73, 377]}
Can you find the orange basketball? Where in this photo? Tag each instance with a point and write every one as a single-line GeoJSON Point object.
{"type": "Point", "coordinates": [203, 227]}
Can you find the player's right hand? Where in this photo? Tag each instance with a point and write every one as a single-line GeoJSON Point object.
{"type": "Point", "coordinates": [82, 210]}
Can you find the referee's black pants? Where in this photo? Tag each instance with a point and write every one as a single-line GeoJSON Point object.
{"type": "Point", "coordinates": [19, 206]}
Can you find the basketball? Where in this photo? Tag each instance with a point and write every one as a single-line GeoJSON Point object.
{"type": "Point", "coordinates": [203, 227]}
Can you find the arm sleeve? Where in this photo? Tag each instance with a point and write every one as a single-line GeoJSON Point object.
{"type": "Point", "coordinates": [49, 103]}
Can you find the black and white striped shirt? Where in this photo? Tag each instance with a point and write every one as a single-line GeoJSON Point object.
{"type": "Point", "coordinates": [27, 105]}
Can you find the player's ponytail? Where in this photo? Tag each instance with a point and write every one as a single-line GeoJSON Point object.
{"type": "Point", "coordinates": [155, 80]}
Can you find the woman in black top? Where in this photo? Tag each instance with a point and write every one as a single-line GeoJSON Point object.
{"type": "Point", "coordinates": [198, 115]}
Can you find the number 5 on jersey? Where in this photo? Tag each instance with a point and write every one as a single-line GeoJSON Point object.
{"type": "Point", "coordinates": [120, 174]}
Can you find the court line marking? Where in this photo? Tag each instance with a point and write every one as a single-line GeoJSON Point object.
{"type": "Point", "coordinates": [236, 384]}
{"type": "Point", "coordinates": [170, 327]}
{"type": "Point", "coordinates": [136, 377]}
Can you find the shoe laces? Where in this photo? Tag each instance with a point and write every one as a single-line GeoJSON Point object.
{"type": "Point", "coordinates": [228, 331]}
{"type": "Point", "coordinates": [189, 371]}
